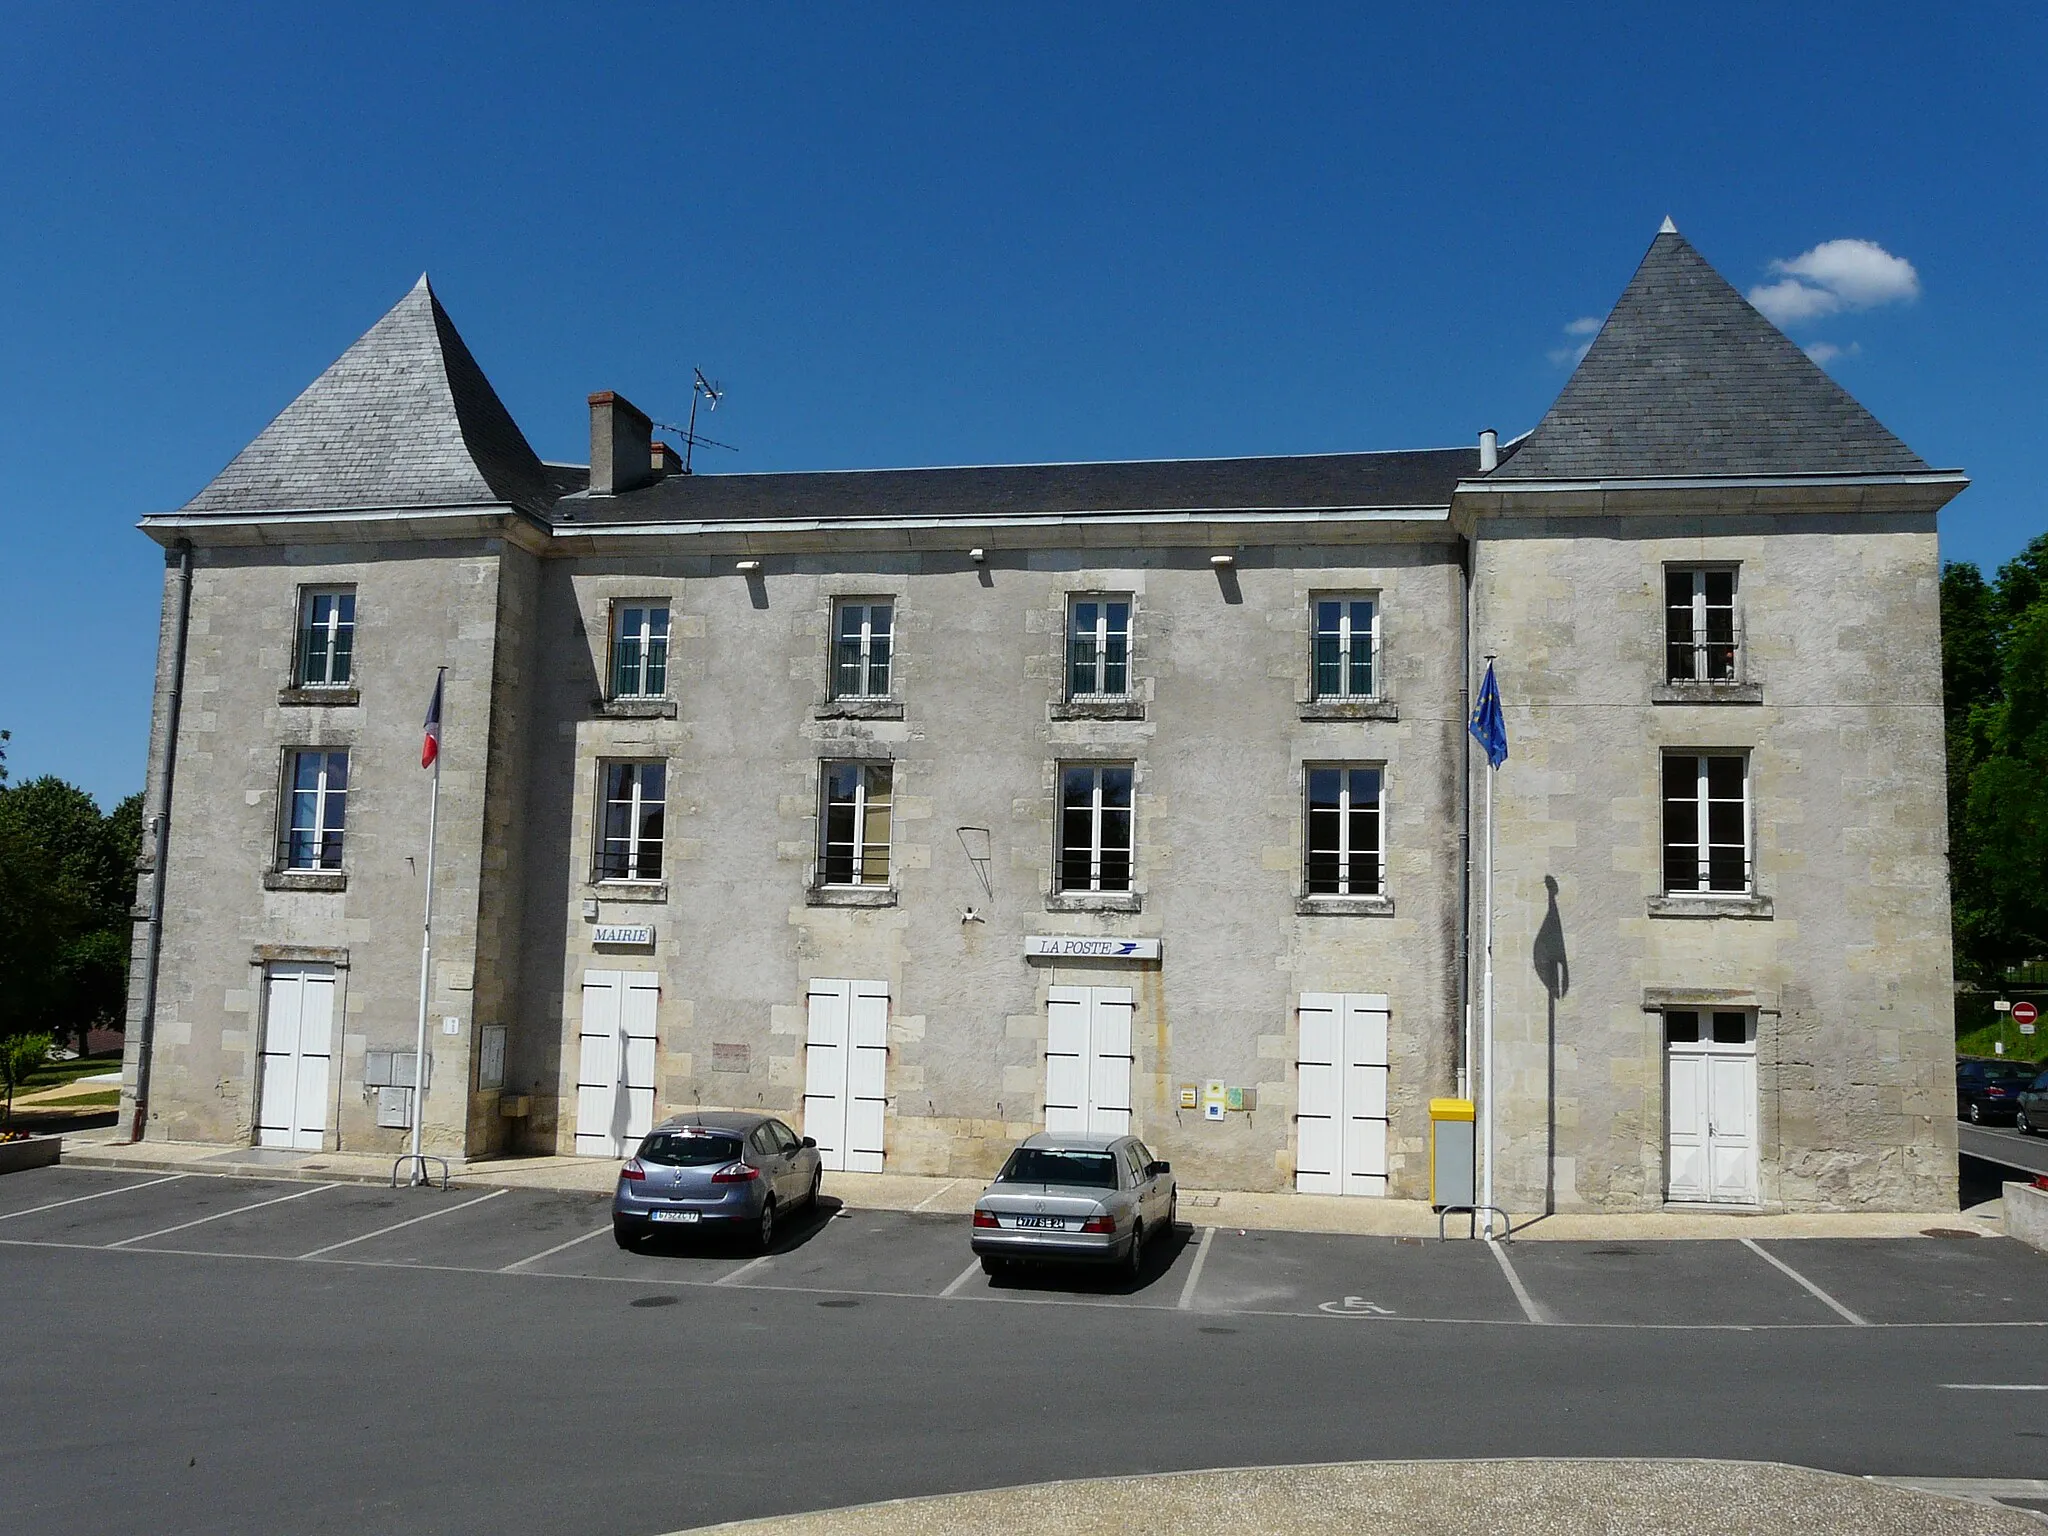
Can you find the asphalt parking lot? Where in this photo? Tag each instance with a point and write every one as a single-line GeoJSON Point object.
{"type": "Point", "coordinates": [1792, 1283]}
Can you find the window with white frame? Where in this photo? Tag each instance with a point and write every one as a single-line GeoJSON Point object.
{"type": "Point", "coordinates": [1701, 641]}
{"type": "Point", "coordinates": [861, 645]}
{"type": "Point", "coordinates": [1346, 853]}
{"type": "Point", "coordinates": [1347, 647]}
{"type": "Point", "coordinates": [315, 812]}
{"type": "Point", "coordinates": [639, 650]}
{"type": "Point", "coordinates": [1706, 823]}
{"type": "Point", "coordinates": [327, 637]}
{"type": "Point", "coordinates": [1096, 833]}
{"type": "Point", "coordinates": [853, 832]}
{"type": "Point", "coordinates": [631, 820]}
{"type": "Point", "coordinates": [1099, 647]}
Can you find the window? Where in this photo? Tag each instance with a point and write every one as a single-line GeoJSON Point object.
{"type": "Point", "coordinates": [327, 636]}
{"type": "Point", "coordinates": [315, 815]}
{"type": "Point", "coordinates": [1099, 648]}
{"type": "Point", "coordinates": [630, 848]}
{"type": "Point", "coordinates": [854, 832]}
{"type": "Point", "coordinates": [639, 650]}
{"type": "Point", "coordinates": [1699, 624]}
{"type": "Point", "coordinates": [1344, 850]}
{"type": "Point", "coordinates": [1683, 1026]}
{"type": "Point", "coordinates": [1706, 823]}
{"type": "Point", "coordinates": [860, 650]}
{"type": "Point", "coordinates": [1347, 647]}
{"type": "Point", "coordinates": [1095, 828]}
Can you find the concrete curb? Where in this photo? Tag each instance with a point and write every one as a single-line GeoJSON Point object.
{"type": "Point", "coordinates": [2026, 1215]}
{"type": "Point", "coordinates": [1450, 1498]}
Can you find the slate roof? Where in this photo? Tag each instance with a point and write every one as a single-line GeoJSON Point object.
{"type": "Point", "coordinates": [1686, 378]}
{"type": "Point", "coordinates": [404, 418]}
{"type": "Point", "coordinates": [1421, 478]}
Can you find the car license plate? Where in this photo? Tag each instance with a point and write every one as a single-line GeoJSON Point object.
{"type": "Point", "coordinates": [683, 1216]}
{"type": "Point", "coordinates": [1048, 1223]}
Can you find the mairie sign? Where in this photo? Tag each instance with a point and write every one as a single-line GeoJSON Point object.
{"type": "Point", "coordinates": [625, 936]}
{"type": "Point", "coordinates": [1072, 946]}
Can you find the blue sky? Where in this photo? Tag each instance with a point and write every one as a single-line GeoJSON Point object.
{"type": "Point", "coordinates": [948, 234]}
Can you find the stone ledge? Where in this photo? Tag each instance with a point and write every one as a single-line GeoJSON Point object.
{"type": "Point", "coordinates": [850, 896]}
{"type": "Point", "coordinates": [337, 698]}
{"type": "Point", "coordinates": [299, 954]}
{"type": "Point", "coordinates": [1095, 901]}
{"type": "Point", "coordinates": [628, 890]}
{"type": "Point", "coordinates": [1711, 906]}
{"type": "Point", "coordinates": [1344, 906]}
{"type": "Point", "coordinates": [634, 709]}
{"type": "Point", "coordinates": [1097, 709]}
{"type": "Point", "coordinates": [1707, 693]}
{"type": "Point", "coordinates": [859, 709]}
{"type": "Point", "coordinates": [305, 880]}
{"type": "Point", "coordinates": [1349, 709]}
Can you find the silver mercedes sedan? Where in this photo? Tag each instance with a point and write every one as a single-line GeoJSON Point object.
{"type": "Point", "coordinates": [1075, 1199]}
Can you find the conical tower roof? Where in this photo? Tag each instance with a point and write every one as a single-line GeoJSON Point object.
{"type": "Point", "coordinates": [1686, 378]}
{"type": "Point", "coordinates": [404, 418]}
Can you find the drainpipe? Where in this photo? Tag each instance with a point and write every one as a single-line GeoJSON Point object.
{"type": "Point", "coordinates": [160, 829]}
{"type": "Point", "coordinates": [1464, 1054]}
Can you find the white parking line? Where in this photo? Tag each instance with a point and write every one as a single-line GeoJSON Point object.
{"type": "Point", "coordinates": [1187, 1291]}
{"type": "Point", "coordinates": [81, 1199]}
{"type": "Point", "coordinates": [1994, 1386]}
{"type": "Point", "coordinates": [962, 1278]}
{"type": "Point", "coordinates": [1530, 1310]}
{"type": "Point", "coordinates": [410, 1222]}
{"type": "Point", "coordinates": [548, 1253]}
{"type": "Point", "coordinates": [1811, 1289]}
{"type": "Point", "coordinates": [926, 1203]}
{"type": "Point", "coordinates": [220, 1216]}
{"type": "Point", "coordinates": [732, 1277]}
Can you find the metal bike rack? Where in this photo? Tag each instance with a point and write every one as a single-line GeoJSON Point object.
{"type": "Point", "coordinates": [417, 1162]}
{"type": "Point", "coordinates": [1508, 1226]}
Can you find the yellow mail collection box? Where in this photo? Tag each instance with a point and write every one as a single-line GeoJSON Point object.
{"type": "Point", "coordinates": [1452, 1163]}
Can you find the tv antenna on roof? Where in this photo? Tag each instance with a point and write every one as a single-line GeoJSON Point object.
{"type": "Point", "coordinates": [702, 390]}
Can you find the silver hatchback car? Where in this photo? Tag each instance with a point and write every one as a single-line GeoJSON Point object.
{"type": "Point", "coordinates": [1075, 1198]}
{"type": "Point", "coordinates": [715, 1168]}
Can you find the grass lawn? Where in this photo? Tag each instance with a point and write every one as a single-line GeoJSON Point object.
{"type": "Point", "coordinates": [2018, 1047]}
{"type": "Point", "coordinates": [55, 1074]}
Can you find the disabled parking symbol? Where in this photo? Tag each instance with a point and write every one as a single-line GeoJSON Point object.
{"type": "Point", "coordinates": [1355, 1306]}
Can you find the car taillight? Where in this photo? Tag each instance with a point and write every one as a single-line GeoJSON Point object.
{"type": "Point", "coordinates": [633, 1171]}
{"type": "Point", "coordinates": [736, 1173]}
{"type": "Point", "coordinates": [1099, 1224]}
{"type": "Point", "coordinates": [1994, 1092]}
{"type": "Point", "coordinates": [986, 1219]}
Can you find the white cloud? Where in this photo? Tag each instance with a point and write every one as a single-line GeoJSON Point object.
{"type": "Point", "coordinates": [1825, 352]}
{"type": "Point", "coordinates": [1572, 352]}
{"type": "Point", "coordinates": [1585, 325]}
{"type": "Point", "coordinates": [1834, 276]}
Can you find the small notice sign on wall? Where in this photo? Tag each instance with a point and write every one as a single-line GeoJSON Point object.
{"type": "Point", "coordinates": [623, 937]}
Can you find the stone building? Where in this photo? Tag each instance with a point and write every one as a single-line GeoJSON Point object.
{"type": "Point", "coordinates": [930, 807]}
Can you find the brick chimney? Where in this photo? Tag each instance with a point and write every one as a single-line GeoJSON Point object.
{"type": "Point", "coordinates": [666, 461]}
{"type": "Point", "coordinates": [621, 445]}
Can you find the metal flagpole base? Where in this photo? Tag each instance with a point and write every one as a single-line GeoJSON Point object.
{"type": "Point", "coordinates": [417, 1173]}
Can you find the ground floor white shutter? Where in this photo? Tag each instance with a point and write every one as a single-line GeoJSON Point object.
{"type": "Point", "coordinates": [1341, 1094]}
{"type": "Point", "coordinates": [1066, 1060]}
{"type": "Point", "coordinates": [616, 1045]}
{"type": "Point", "coordinates": [1686, 1174]}
{"type": "Point", "coordinates": [294, 1064]}
{"type": "Point", "coordinates": [846, 1064]}
{"type": "Point", "coordinates": [1088, 1060]}
{"type": "Point", "coordinates": [1712, 1106]}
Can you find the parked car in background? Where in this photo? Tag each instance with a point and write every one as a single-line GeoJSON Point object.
{"type": "Point", "coordinates": [1075, 1199]}
{"type": "Point", "coordinates": [1988, 1092]}
{"type": "Point", "coordinates": [715, 1169]}
{"type": "Point", "coordinates": [2031, 1114]}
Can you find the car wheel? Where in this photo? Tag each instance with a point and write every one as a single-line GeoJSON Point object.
{"type": "Point", "coordinates": [2022, 1124]}
{"type": "Point", "coordinates": [625, 1233]}
{"type": "Point", "coordinates": [817, 1183]}
{"type": "Point", "coordinates": [993, 1266]}
{"type": "Point", "coordinates": [1976, 1113]}
{"type": "Point", "coordinates": [1134, 1263]}
{"type": "Point", "coordinates": [764, 1235]}
{"type": "Point", "coordinates": [1172, 1210]}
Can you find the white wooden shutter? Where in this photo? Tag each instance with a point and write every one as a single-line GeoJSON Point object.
{"type": "Point", "coordinates": [1318, 1095]}
{"type": "Point", "coordinates": [1686, 1177]}
{"type": "Point", "coordinates": [1365, 1094]}
{"type": "Point", "coordinates": [867, 1074]}
{"type": "Point", "coordinates": [597, 1063]}
{"type": "Point", "coordinates": [1109, 1060]}
{"type": "Point", "coordinates": [825, 1070]}
{"type": "Point", "coordinates": [1066, 1059]}
{"type": "Point", "coordinates": [638, 1010]}
{"type": "Point", "coordinates": [316, 1047]}
{"type": "Point", "coordinates": [1731, 1116]}
{"type": "Point", "coordinates": [276, 1070]}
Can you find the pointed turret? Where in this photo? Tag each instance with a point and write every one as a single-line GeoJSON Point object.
{"type": "Point", "coordinates": [1686, 378]}
{"type": "Point", "coordinates": [404, 418]}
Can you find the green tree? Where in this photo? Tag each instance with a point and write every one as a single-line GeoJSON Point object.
{"type": "Point", "coordinates": [19, 1056]}
{"type": "Point", "coordinates": [66, 882]}
{"type": "Point", "coordinates": [1995, 675]}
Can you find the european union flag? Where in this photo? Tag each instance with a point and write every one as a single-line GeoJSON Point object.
{"type": "Point", "coordinates": [1487, 727]}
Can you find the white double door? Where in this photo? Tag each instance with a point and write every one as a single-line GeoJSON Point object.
{"type": "Point", "coordinates": [615, 1061]}
{"type": "Point", "coordinates": [846, 1072]}
{"type": "Point", "coordinates": [1088, 1060]}
{"type": "Point", "coordinates": [294, 1067]}
{"type": "Point", "coordinates": [1341, 1094]}
{"type": "Point", "coordinates": [1713, 1124]}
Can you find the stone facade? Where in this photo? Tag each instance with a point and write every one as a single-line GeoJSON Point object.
{"type": "Point", "coordinates": [1837, 953]}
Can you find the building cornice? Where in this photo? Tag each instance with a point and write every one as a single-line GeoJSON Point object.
{"type": "Point", "coordinates": [347, 525]}
{"type": "Point", "coordinates": [1719, 495]}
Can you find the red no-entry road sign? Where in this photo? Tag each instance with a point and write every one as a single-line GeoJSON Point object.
{"type": "Point", "coordinates": [2024, 1013]}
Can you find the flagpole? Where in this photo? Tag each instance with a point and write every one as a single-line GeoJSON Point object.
{"type": "Point", "coordinates": [419, 1058]}
{"type": "Point", "coordinates": [1486, 1006]}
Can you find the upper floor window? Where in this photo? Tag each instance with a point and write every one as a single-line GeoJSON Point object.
{"type": "Point", "coordinates": [1095, 827]}
{"type": "Point", "coordinates": [1346, 854]}
{"type": "Point", "coordinates": [1706, 823]}
{"type": "Point", "coordinates": [861, 635]}
{"type": "Point", "coordinates": [315, 812]}
{"type": "Point", "coordinates": [1099, 648]}
{"type": "Point", "coordinates": [1347, 647]}
{"type": "Point", "coordinates": [327, 636]}
{"type": "Point", "coordinates": [629, 847]}
{"type": "Point", "coordinates": [1700, 637]}
{"type": "Point", "coordinates": [854, 832]}
{"type": "Point", "coordinates": [639, 650]}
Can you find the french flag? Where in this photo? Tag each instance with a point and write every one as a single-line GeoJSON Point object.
{"type": "Point", "coordinates": [430, 748]}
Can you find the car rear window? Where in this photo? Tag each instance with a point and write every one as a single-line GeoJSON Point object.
{"type": "Point", "coordinates": [689, 1149]}
{"type": "Point", "coordinates": [1045, 1165]}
